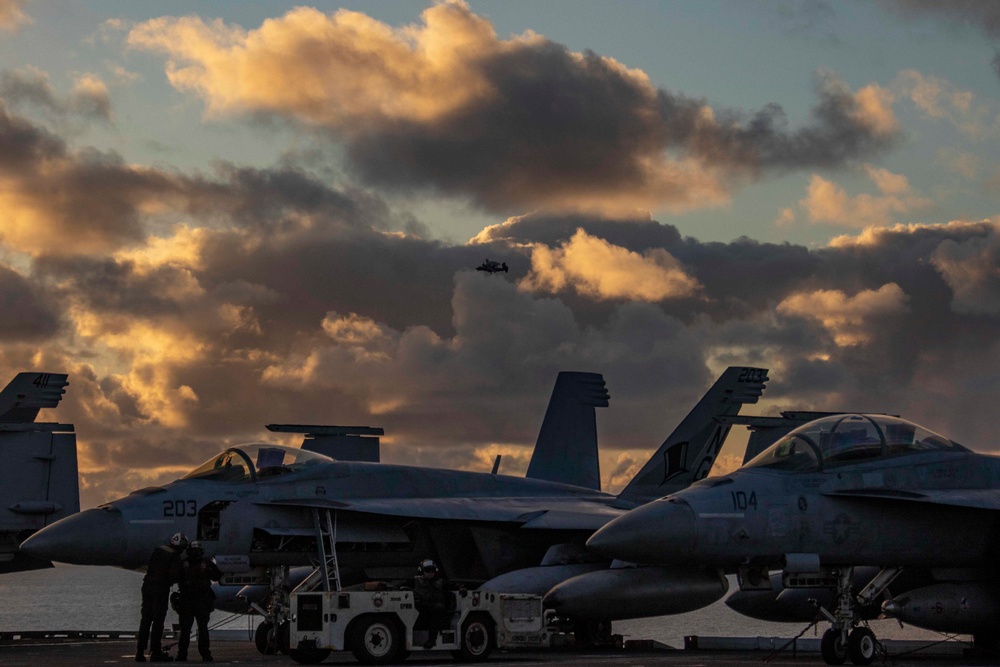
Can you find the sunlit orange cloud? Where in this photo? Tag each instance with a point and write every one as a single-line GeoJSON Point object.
{"type": "Point", "coordinates": [346, 67]}
{"type": "Point", "coordinates": [599, 269]}
{"type": "Point", "coordinates": [826, 202]}
{"type": "Point", "coordinates": [874, 236]}
{"type": "Point", "coordinates": [12, 15]}
{"type": "Point", "coordinates": [941, 99]}
{"type": "Point", "coordinates": [847, 318]}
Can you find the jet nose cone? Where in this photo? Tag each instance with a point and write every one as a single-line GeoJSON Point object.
{"type": "Point", "coordinates": [661, 532]}
{"type": "Point", "coordinates": [92, 537]}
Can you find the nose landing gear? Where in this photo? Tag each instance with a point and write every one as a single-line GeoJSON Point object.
{"type": "Point", "coordinates": [846, 639]}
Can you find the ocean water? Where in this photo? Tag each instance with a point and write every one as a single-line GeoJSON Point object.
{"type": "Point", "coordinates": [70, 597]}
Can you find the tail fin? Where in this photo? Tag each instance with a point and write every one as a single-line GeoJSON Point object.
{"type": "Point", "coordinates": [566, 449]}
{"type": "Point", "coordinates": [27, 393]}
{"type": "Point", "coordinates": [39, 481]}
{"type": "Point", "coordinates": [688, 453]}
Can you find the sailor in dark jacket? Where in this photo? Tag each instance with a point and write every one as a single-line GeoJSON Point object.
{"type": "Point", "coordinates": [429, 595]}
{"type": "Point", "coordinates": [195, 599]}
{"type": "Point", "coordinates": [161, 573]}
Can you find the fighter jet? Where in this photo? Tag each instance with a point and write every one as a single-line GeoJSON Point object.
{"type": "Point", "coordinates": [489, 266]}
{"type": "Point", "coordinates": [38, 479]}
{"type": "Point", "coordinates": [269, 506]}
{"type": "Point", "coordinates": [840, 492]}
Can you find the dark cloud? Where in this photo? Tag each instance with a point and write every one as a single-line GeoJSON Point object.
{"type": "Point", "coordinates": [981, 14]}
{"type": "Point", "coordinates": [29, 312]}
{"type": "Point", "coordinates": [575, 126]}
{"type": "Point", "coordinates": [30, 87]}
{"type": "Point", "coordinates": [513, 124]}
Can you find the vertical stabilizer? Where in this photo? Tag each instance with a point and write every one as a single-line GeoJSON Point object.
{"type": "Point", "coordinates": [27, 393]}
{"type": "Point", "coordinates": [566, 449]}
{"type": "Point", "coordinates": [38, 480]}
{"type": "Point", "coordinates": [688, 453]}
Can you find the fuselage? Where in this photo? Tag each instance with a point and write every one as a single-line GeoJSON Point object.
{"type": "Point", "coordinates": [266, 516]}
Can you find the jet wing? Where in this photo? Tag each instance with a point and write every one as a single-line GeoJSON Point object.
{"type": "Point", "coordinates": [973, 498]}
{"type": "Point", "coordinates": [537, 513]}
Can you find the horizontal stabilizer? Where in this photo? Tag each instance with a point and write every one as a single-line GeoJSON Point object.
{"type": "Point", "coordinates": [27, 393]}
{"type": "Point", "coordinates": [566, 449]}
{"type": "Point", "coordinates": [687, 455]}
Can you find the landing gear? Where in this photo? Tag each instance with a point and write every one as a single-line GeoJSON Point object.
{"type": "Point", "coordinates": [272, 634]}
{"type": "Point", "coordinates": [861, 646]}
{"type": "Point", "coordinates": [843, 640]}
{"type": "Point", "coordinates": [264, 639]}
{"type": "Point", "coordinates": [833, 648]}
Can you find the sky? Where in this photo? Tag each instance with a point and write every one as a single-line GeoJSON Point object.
{"type": "Point", "coordinates": [221, 215]}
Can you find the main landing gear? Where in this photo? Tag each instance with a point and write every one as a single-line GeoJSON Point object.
{"type": "Point", "coordinates": [846, 640]}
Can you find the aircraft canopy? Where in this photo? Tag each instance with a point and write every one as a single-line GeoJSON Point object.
{"type": "Point", "coordinates": [247, 463]}
{"type": "Point", "coordinates": [843, 439]}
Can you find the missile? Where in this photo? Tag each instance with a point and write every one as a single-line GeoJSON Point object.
{"type": "Point", "coordinates": [635, 592]}
{"type": "Point", "coordinates": [962, 607]}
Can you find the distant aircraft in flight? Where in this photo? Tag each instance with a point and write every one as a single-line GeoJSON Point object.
{"type": "Point", "coordinates": [835, 494]}
{"type": "Point", "coordinates": [489, 266]}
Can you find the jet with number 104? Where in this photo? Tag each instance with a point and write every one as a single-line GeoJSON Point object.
{"type": "Point", "coordinates": [268, 506]}
{"type": "Point", "coordinates": [837, 493]}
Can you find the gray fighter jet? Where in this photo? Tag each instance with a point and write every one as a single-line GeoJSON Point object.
{"type": "Point", "coordinates": [38, 478]}
{"type": "Point", "coordinates": [268, 506]}
{"type": "Point", "coordinates": [840, 492]}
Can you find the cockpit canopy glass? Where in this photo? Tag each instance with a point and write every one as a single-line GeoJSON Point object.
{"type": "Point", "coordinates": [248, 463]}
{"type": "Point", "coordinates": [843, 439]}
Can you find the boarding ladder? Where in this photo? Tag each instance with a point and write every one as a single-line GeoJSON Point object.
{"type": "Point", "coordinates": [327, 572]}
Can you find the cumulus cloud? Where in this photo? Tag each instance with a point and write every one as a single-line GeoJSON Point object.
{"type": "Point", "coordinates": [972, 270]}
{"type": "Point", "coordinates": [828, 203]}
{"type": "Point", "coordinates": [12, 15]}
{"type": "Point", "coordinates": [596, 268]}
{"type": "Point", "coordinates": [847, 318]}
{"type": "Point", "coordinates": [89, 98]}
{"type": "Point", "coordinates": [938, 98]}
{"type": "Point", "coordinates": [511, 124]}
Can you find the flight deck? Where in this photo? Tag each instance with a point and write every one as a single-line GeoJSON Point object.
{"type": "Point", "coordinates": [36, 650]}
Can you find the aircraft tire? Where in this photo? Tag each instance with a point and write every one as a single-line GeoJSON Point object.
{"type": "Point", "coordinates": [861, 646]}
{"type": "Point", "coordinates": [308, 654]}
{"type": "Point", "coordinates": [477, 640]}
{"type": "Point", "coordinates": [376, 639]}
{"type": "Point", "coordinates": [832, 648]}
{"type": "Point", "coordinates": [264, 639]}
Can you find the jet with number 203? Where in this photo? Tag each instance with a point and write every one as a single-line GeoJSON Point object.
{"type": "Point", "coordinates": [267, 506]}
{"type": "Point", "coordinates": [838, 493]}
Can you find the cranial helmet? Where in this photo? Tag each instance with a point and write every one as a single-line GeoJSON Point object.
{"type": "Point", "coordinates": [179, 540]}
{"type": "Point", "coordinates": [428, 566]}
